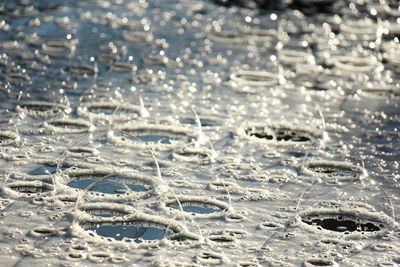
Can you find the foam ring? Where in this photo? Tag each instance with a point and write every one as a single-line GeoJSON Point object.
{"type": "Point", "coordinates": [27, 189]}
{"type": "Point", "coordinates": [124, 176]}
{"type": "Point", "coordinates": [355, 64]}
{"type": "Point", "coordinates": [234, 217]}
{"type": "Point", "coordinates": [113, 209]}
{"type": "Point", "coordinates": [365, 29]}
{"type": "Point", "coordinates": [254, 78]}
{"type": "Point", "coordinates": [236, 233]}
{"type": "Point", "coordinates": [337, 170]}
{"type": "Point", "coordinates": [42, 108]}
{"type": "Point", "coordinates": [86, 110]}
{"type": "Point", "coordinates": [138, 36]}
{"type": "Point", "coordinates": [99, 256]}
{"type": "Point", "coordinates": [226, 37]}
{"type": "Point", "coordinates": [260, 35]}
{"type": "Point", "coordinates": [268, 225]}
{"type": "Point", "coordinates": [83, 69]}
{"type": "Point", "coordinates": [85, 220]}
{"type": "Point", "coordinates": [59, 48]}
{"type": "Point", "coordinates": [195, 201]}
{"type": "Point", "coordinates": [383, 93]}
{"type": "Point", "coordinates": [18, 78]}
{"type": "Point", "coordinates": [75, 256]}
{"type": "Point", "coordinates": [293, 56]}
{"type": "Point", "coordinates": [43, 231]}
{"type": "Point", "coordinates": [224, 186]}
{"type": "Point", "coordinates": [8, 138]}
{"type": "Point", "coordinates": [68, 126]}
{"type": "Point", "coordinates": [169, 131]}
{"type": "Point", "coordinates": [193, 154]}
{"type": "Point", "coordinates": [82, 151]}
{"type": "Point", "coordinates": [122, 67]}
{"type": "Point", "coordinates": [209, 257]}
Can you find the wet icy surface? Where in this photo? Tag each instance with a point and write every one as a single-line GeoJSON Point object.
{"type": "Point", "coordinates": [159, 132]}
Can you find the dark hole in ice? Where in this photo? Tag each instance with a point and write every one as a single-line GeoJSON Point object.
{"type": "Point", "coordinates": [37, 107]}
{"type": "Point", "coordinates": [209, 255]}
{"type": "Point", "coordinates": [221, 238]}
{"type": "Point", "coordinates": [138, 233]}
{"type": "Point", "coordinates": [4, 138]}
{"type": "Point", "coordinates": [291, 135]}
{"type": "Point", "coordinates": [108, 187]}
{"type": "Point", "coordinates": [43, 231]}
{"type": "Point", "coordinates": [75, 255]}
{"type": "Point", "coordinates": [193, 154]}
{"type": "Point", "coordinates": [343, 225]}
{"type": "Point", "coordinates": [279, 134]}
{"type": "Point", "coordinates": [320, 262]}
{"type": "Point", "coordinates": [81, 150]}
{"type": "Point", "coordinates": [261, 135]}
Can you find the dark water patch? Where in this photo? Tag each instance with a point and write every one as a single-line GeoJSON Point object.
{"type": "Point", "coordinates": [319, 262]}
{"type": "Point", "coordinates": [111, 186]}
{"type": "Point", "coordinates": [197, 206]}
{"type": "Point", "coordinates": [43, 170]}
{"type": "Point", "coordinates": [201, 209]}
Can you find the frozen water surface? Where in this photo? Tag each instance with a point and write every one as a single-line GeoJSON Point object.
{"type": "Point", "coordinates": [192, 133]}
